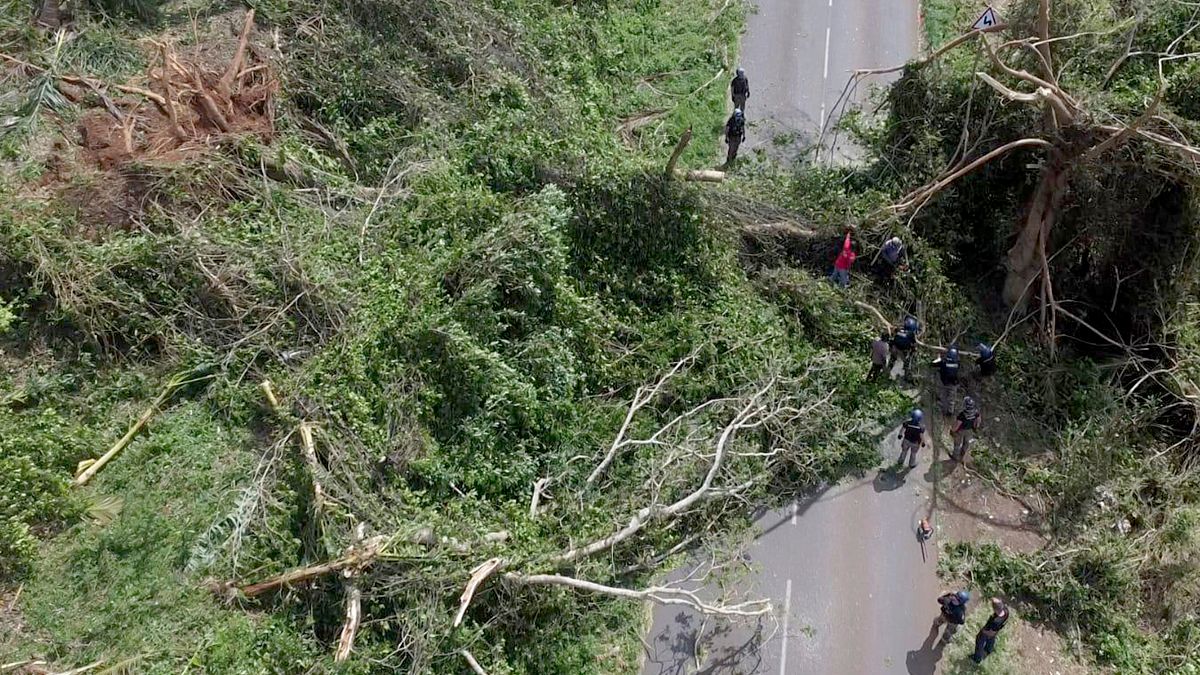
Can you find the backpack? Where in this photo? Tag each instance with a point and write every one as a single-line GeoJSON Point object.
{"type": "Point", "coordinates": [735, 128]}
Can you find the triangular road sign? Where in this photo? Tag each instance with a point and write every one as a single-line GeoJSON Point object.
{"type": "Point", "coordinates": [987, 20]}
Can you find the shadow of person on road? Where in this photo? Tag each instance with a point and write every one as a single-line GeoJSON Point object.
{"type": "Point", "coordinates": [924, 660]}
{"type": "Point", "coordinates": [890, 478]}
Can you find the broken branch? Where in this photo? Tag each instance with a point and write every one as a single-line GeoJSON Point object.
{"type": "Point", "coordinates": [473, 663]}
{"type": "Point", "coordinates": [91, 469]}
{"type": "Point", "coordinates": [478, 576]}
{"type": "Point", "coordinates": [679, 148]}
{"type": "Point", "coordinates": [663, 595]}
{"type": "Point", "coordinates": [225, 86]}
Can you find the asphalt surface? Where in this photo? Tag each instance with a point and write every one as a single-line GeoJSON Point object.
{"type": "Point", "coordinates": [852, 589]}
{"type": "Point", "coordinates": [799, 55]}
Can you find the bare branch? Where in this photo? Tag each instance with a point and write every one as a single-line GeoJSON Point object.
{"type": "Point", "coordinates": [350, 627]}
{"type": "Point", "coordinates": [679, 148]}
{"type": "Point", "coordinates": [925, 193]}
{"type": "Point", "coordinates": [473, 663]}
{"type": "Point", "coordinates": [478, 576]}
{"type": "Point", "coordinates": [641, 398]}
{"type": "Point", "coordinates": [534, 502]}
{"type": "Point", "coordinates": [663, 595]}
{"type": "Point", "coordinates": [1043, 47]}
{"type": "Point", "coordinates": [751, 414]}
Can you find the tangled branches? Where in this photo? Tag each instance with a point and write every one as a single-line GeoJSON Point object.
{"type": "Point", "coordinates": [705, 462]}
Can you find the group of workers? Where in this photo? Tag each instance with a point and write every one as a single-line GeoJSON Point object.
{"type": "Point", "coordinates": [900, 348]}
{"type": "Point", "coordinates": [890, 349]}
{"type": "Point", "coordinates": [735, 126]}
{"type": "Point", "coordinates": [954, 614]}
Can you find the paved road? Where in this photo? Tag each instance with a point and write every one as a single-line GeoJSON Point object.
{"type": "Point", "coordinates": [853, 592]}
{"type": "Point", "coordinates": [798, 55]}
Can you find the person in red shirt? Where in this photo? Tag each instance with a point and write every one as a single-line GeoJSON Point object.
{"type": "Point", "coordinates": [841, 266]}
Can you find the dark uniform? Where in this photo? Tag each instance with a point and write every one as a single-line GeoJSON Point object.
{"type": "Point", "coordinates": [986, 363]}
{"type": "Point", "coordinates": [735, 133]}
{"type": "Point", "coordinates": [964, 431]}
{"type": "Point", "coordinates": [947, 384]}
{"type": "Point", "coordinates": [911, 435]}
{"type": "Point", "coordinates": [740, 88]}
{"type": "Point", "coordinates": [904, 345]}
{"type": "Point", "coordinates": [985, 640]}
{"type": "Point", "coordinates": [953, 615]}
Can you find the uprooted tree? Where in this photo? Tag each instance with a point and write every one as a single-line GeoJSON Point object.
{"type": "Point", "coordinates": [708, 459]}
{"type": "Point", "coordinates": [1079, 130]}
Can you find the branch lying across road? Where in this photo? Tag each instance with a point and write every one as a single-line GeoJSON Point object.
{"type": "Point", "coordinates": [663, 595]}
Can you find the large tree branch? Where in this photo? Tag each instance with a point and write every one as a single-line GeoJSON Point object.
{"type": "Point", "coordinates": [641, 398]}
{"type": "Point", "coordinates": [923, 194]}
{"type": "Point", "coordinates": [1043, 47]}
{"type": "Point", "coordinates": [1043, 95]}
{"type": "Point", "coordinates": [752, 414]}
{"type": "Point", "coordinates": [1128, 130]}
{"type": "Point", "coordinates": [663, 595]}
{"type": "Point", "coordinates": [1068, 104]}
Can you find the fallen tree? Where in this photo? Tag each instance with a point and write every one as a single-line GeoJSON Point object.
{"type": "Point", "coordinates": [703, 472]}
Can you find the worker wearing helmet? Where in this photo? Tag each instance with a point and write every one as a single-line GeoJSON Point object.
{"type": "Point", "coordinates": [912, 437]}
{"type": "Point", "coordinates": [953, 614]}
{"type": "Point", "coordinates": [904, 345]}
{"type": "Point", "coordinates": [735, 133]}
{"type": "Point", "coordinates": [986, 362]}
{"type": "Point", "coordinates": [947, 367]}
{"type": "Point", "coordinates": [964, 428]}
{"type": "Point", "coordinates": [739, 87]}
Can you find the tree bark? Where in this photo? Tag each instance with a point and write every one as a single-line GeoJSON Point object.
{"type": "Point", "coordinates": [1023, 262]}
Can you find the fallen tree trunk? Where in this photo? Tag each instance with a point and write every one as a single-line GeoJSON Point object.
{"type": "Point", "coordinates": [704, 176]}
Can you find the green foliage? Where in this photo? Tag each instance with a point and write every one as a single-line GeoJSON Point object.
{"type": "Point", "coordinates": [17, 549]}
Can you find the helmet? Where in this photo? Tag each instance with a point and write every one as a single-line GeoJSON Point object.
{"type": "Point", "coordinates": [969, 403]}
{"type": "Point", "coordinates": [741, 72]}
{"type": "Point", "coordinates": [910, 324]}
{"type": "Point", "coordinates": [962, 596]}
{"type": "Point", "coordinates": [952, 354]}
{"type": "Point", "coordinates": [985, 350]}
{"type": "Point", "coordinates": [737, 112]}
{"type": "Point", "coordinates": [916, 415]}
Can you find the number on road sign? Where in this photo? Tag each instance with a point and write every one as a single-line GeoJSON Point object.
{"type": "Point", "coordinates": [986, 20]}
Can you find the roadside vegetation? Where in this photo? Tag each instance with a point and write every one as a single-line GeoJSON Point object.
{"type": "Point", "coordinates": [411, 268]}
{"type": "Point", "coordinates": [413, 311]}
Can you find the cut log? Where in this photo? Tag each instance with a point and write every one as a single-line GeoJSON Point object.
{"type": "Point", "coordinates": [704, 176]}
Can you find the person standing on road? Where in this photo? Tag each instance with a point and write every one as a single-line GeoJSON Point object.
{"type": "Point", "coordinates": [739, 87]}
{"type": "Point", "coordinates": [735, 133]}
{"type": "Point", "coordinates": [879, 356]}
{"type": "Point", "coordinates": [947, 367]}
{"type": "Point", "coordinates": [845, 259]}
{"type": "Point", "coordinates": [969, 421]}
{"type": "Point", "coordinates": [912, 437]}
{"type": "Point", "coordinates": [904, 345]}
{"type": "Point", "coordinates": [985, 640]}
{"type": "Point", "coordinates": [953, 614]}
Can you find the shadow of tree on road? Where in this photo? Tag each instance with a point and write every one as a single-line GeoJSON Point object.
{"type": "Point", "coordinates": [676, 649]}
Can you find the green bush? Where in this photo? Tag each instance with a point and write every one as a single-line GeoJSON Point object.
{"type": "Point", "coordinates": [18, 550]}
